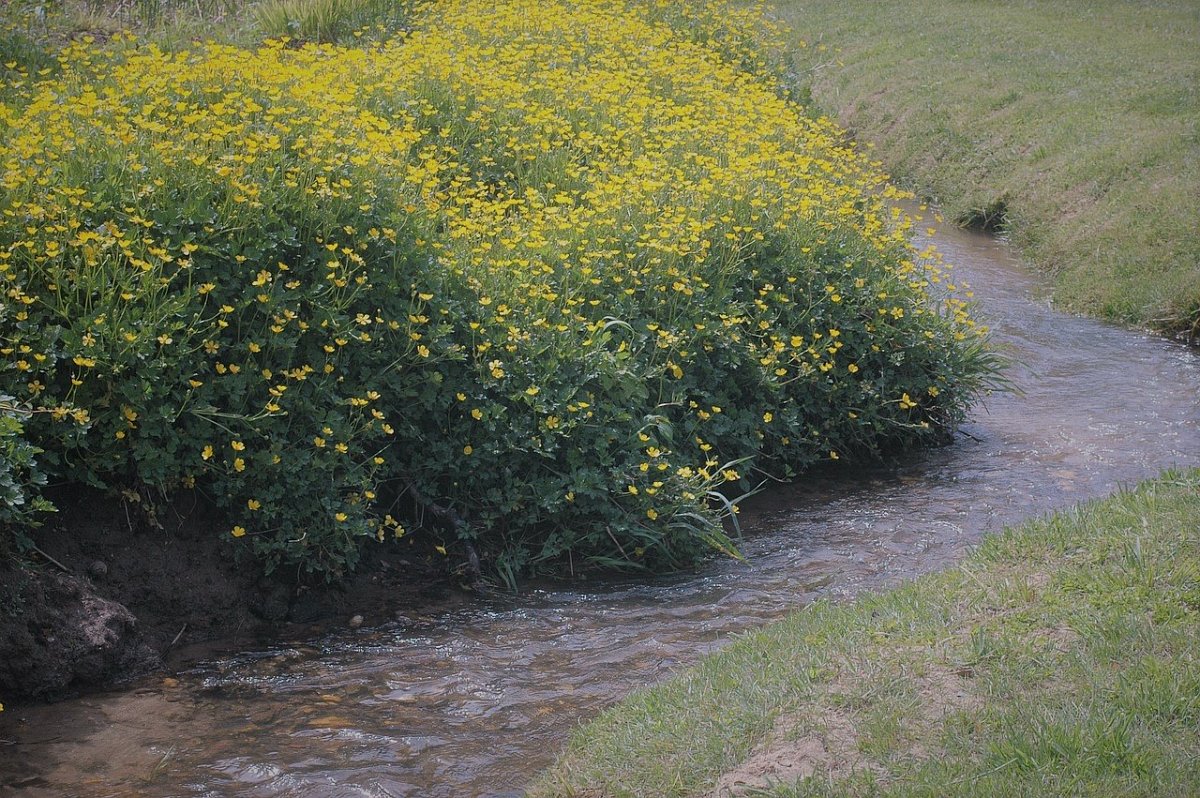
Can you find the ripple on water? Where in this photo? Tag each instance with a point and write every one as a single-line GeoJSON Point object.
{"type": "Point", "coordinates": [473, 702]}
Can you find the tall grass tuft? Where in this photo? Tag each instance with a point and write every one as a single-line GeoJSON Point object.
{"type": "Point", "coordinates": [323, 20]}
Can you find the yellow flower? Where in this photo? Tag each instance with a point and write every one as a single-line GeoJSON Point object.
{"type": "Point", "coordinates": [237, 531]}
{"type": "Point", "coordinates": [253, 504]}
{"type": "Point", "coordinates": [239, 465]}
{"type": "Point", "coordinates": [207, 453]}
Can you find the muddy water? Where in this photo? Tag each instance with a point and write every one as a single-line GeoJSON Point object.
{"type": "Point", "coordinates": [472, 702]}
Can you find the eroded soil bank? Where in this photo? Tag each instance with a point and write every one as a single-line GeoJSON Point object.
{"type": "Point", "coordinates": [109, 596]}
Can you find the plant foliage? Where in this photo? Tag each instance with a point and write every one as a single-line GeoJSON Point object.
{"type": "Point", "coordinates": [541, 276]}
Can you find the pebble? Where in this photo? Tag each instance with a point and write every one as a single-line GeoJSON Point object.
{"type": "Point", "coordinates": [98, 569]}
{"type": "Point", "coordinates": [331, 722]}
{"type": "Point", "coordinates": [169, 682]}
{"type": "Point", "coordinates": [356, 621]}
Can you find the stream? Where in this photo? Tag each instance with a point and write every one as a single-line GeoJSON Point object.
{"type": "Point", "coordinates": [474, 701]}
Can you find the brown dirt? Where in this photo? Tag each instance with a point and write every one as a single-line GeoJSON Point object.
{"type": "Point", "coordinates": [944, 690]}
{"type": "Point", "coordinates": [56, 633]}
{"type": "Point", "coordinates": [829, 748]}
{"type": "Point", "coordinates": [823, 741]}
{"type": "Point", "coordinates": [109, 596]}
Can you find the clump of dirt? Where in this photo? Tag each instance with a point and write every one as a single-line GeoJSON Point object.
{"type": "Point", "coordinates": [822, 740]}
{"type": "Point", "coordinates": [108, 595]}
{"type": "Point", "coordinates": [829, 748]}
{"type": "Point", "coordinates": [56, 633]}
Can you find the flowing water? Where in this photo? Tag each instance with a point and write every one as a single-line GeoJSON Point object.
{"type": "Point", "coordinates": [472, 702]}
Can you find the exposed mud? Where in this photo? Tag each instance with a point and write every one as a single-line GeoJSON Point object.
{"type": "Point", "coordinates": [108, 596]}
{"type": "Point", "coordinates": [57, 634]}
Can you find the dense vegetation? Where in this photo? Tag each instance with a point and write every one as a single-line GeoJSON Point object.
{"type": "Point", "coordinates": [552, 279]}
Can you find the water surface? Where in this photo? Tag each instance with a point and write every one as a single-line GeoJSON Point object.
{"type": "Point", "coordinates": [472, 702]}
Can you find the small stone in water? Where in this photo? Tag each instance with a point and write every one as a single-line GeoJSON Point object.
{"type": "Point", "coordinates": [356, 621]}
{"type": "Point", "coordinates": [330, 722]}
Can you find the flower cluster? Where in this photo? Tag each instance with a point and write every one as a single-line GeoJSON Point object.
{"type": "Point", "coordinates": [556, 271]}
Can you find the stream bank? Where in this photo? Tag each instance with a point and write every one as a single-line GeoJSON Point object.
{"type": "Point", "coordinates": [108, 596]}
{"type": "Point", "coordinates": [1073, 131]}
{"type": "Point", "coordinates": [474, 699]}
{"type": "Point", "coordinates": [1058, 659]}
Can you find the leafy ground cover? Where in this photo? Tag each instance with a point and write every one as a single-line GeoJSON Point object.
{"type": "Point", "coordinates": [549, 281]}
{"type": "Point", "coordinates": [1059, 659]}
{"type": "Point", "coordinates": [1070, 126]}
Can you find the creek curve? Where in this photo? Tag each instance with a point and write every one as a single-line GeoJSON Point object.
{"type": "Point", "coordinates": [473, 701]}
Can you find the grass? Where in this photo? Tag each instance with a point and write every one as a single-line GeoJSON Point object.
{"type": "Point", "coordinates": [325, 20]}
{"type": "Point", "coordinates": [1072, 126]}
{"type": "Point", "coordinates": [1059, 659]}
{"type": "Point", "coordinates": [31, 30]}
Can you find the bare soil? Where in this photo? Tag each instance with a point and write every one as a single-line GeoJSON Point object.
{"type": "Point", "coordinates": [109, 596]}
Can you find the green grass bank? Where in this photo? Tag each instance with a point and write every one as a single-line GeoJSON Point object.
{"type": "Point", "coordinates": [1059, 659]}
{"type": "Point", "coordinates": [1074, 126]}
